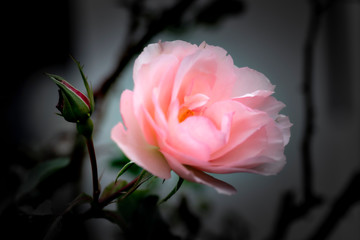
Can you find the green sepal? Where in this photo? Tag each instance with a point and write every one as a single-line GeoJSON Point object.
{"type": "Point", "coordinates": [85, 128]}
{"type": "Point", "coordinates": [143, 177]}
{"type": "Point", "coordinates": [89, 89]}
{"type": "Point", "coordinates": [173, 191]}
{"type": "Point", "coordinates": [123, 170]}
{"type": "Point", "coordinates": [112, 188]}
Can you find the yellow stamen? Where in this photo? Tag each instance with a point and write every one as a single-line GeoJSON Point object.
{"type": "Point", "coordinates": [184, 113]}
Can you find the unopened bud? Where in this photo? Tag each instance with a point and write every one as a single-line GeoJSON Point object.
{"type": "Point", "coordinates": [73, 105]}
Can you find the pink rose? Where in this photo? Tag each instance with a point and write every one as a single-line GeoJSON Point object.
{"type": "Point", "coordinates": [193, 111]}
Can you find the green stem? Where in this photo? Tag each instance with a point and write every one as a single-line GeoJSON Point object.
{"type": "Point", "coordinates": [96, 190]}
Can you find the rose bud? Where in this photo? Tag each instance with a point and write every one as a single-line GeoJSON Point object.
{"type": "Point", "coordinates": [73, 105]}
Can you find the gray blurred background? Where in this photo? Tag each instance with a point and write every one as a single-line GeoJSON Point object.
{"type": "Point", "coordinates": [268, 36]}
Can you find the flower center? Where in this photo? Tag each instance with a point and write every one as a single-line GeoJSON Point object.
{"type": "Point", "coordinates": [184, 113]}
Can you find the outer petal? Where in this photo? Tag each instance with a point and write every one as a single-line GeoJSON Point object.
{"type": "Point", "coordinates": [249, 81]}
{"type": "Point", "coordinates": [261, 100]}
{"type": "Point", "coordinates": [133, 143]}
{"type": "Point", "coordinates": [194, 175]}
{"type": "Point", "coordinates": [261, 153]}
{"type": "Point", "coordinates": [160, 72]}
{"type": "Point", "coordinates": [283, 123]}
{"type": "Point", "coordinates": [179, 49]}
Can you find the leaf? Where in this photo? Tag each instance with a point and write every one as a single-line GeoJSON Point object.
{"type": "Point", "coordinates": [44, 209]}
{"type": "Point", "coordinates": [175, 189]}
{"type": "Point", "coordinates": [114, 217]}
{"type": "Point", "coordinates": [143, 217]}
{"type": "Point", "coordinates": [57, 225]}
{"type": "Point", "coordinates": [82, 198]}
{"type": "Point", "coordinates": [39, 173]}
{"type": "Point", "coordinates": [120, 161]}
{"type": "Point", "coordinates": [128, 206]}
{"type": "Point", "coordinates": [123, 170]}
{"type": "Point", "coordinates": [112, 188]}
{"type": "Point", "coordinates": [54, 229]}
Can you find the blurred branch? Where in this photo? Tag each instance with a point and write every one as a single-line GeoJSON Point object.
{"type": "Point", "coordinates": [289, 210]}
{"type": "Point", "coordinates": [349, 197]}
{"type": "Point", "coordinates": [209, 13]}
{"type": "Point", "coordinates": [317, 11]}
{"type": "Point", "coordinates": [167, 18]}
{"type": "Point", "coordinates": [311, 36]}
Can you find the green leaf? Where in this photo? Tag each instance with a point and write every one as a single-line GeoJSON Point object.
{"type": "Point", "coordinates": [121, 160]}
{"type": "Point", "coordinates": [144, 220]}
{"type": "Point", "coordinates": [114, 217]}
{"type": "Point", "coordinates": [128, 206]}
{"type": "Point", "coordinates": [54, 229]}
{"type": "Point", "coordinates": [57, 225]}
{"type": "Point", "coordinates": [112, 188]}
{"type": "Point", "coordinates": [123, 170]}
{"type": "Point", "coordinates": [175, 189]}
{"type": "Point", "coordinates": [82, 198]}
{"type": "Point", "coordinates": [39, 173]}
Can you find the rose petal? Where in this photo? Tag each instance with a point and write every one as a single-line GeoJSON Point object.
{"type": "Point", "coordinates": [178, 49]}
{"type": "Point", "coordinates": [263, 102]}
{"type": "Point", "coordinates": [150, 76]}
{"type": "Point", "coordinates": [283, 123]}
{"type": "Point", "coordinates": [195, 101]}
{"type": "Point", "coordinates": [133, 143]}
{"type": "Point", "coordinates": [262, 153]}
{"type": "Point", "coordinates": [197, 136]}
{"type": "Point", "coordinates": [208, 71]}
{"type": "Point", "coordinates": [194, 175]}
{"type": "Point", "coordinates": [244, 123]}
{"type": "Point", "coordinates": [249, 81]}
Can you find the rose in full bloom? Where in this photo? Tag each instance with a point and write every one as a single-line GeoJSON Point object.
{"type": "Point", "coordinates": [192, 111]}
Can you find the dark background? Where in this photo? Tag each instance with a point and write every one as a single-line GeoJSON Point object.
{"type": "Point", "coordinates": [293, 44]}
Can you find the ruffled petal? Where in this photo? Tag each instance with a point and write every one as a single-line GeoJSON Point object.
{"type": "Point", "coordinates": [249, 81]}
{"type": "Point", "coordinates": [132, 142]}
{"type": "Point", "coordinates": [208, 71]}
{"type": "Point", "coordinates": [261, 100]}
{"type": "Point", "coordinates": [149, 77]}
{"type": "Point", "coordinates": [197, 176]}
{"type": "Point", "coordinates": [178, 49]}
{"type": "Point", "coordinates": [284, 124]}
{"type": "Point", "coordinates": [244, 122]}
{"type": "Point", "coordinates": [197, 136]}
